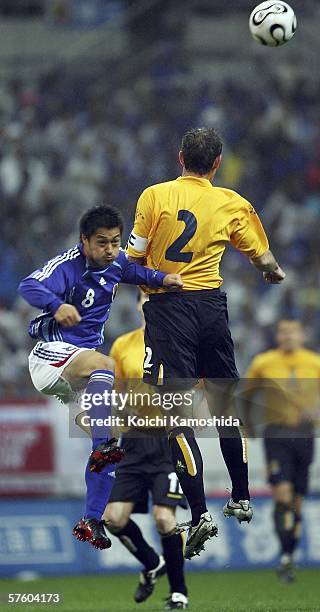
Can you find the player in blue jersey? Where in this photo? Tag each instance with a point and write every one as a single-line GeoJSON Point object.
{"type": "Point", "coordinates": [75, 291]}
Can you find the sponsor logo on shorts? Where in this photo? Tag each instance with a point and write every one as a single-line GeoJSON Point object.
{"type": "Point", "coordinates": [180, 467]}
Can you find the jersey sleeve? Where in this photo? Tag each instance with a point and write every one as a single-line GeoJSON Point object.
{"type": "Point", "coordinates": [135, 274]}
{"type": "Point", "coordinates": [138, 239]}
{"type": "Point", "coordinates": [46, 288]}
{"type": "Point", "coordinates": [248, 235]}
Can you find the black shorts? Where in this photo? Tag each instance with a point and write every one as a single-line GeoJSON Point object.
{"type": "Point", "coordinates": [188, 334]}
{"type": "Point", "coordinates": [289, 453]}
{"type": "Point", "coordinates": [147, 469]}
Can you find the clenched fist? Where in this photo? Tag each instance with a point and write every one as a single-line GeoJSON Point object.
{"type": "Point", "coordinates": [276, 277]}
{"type": "Point", "coordinates": [67, 315]}
{"type": "Point", "coordinates": [173, 281]}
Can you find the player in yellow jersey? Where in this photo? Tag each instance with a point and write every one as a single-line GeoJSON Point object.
{"type": "Point", "coordinates": [183, 226]}
{"type": "Point", "coordinates": [289, 376]}
{"type": "Point", "coordinates": [146, 468]}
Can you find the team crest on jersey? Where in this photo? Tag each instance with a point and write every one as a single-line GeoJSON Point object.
{"type": "Point", "coordinates": [139, 215]}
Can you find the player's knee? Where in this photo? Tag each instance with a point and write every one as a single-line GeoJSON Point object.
{"type": "Point", "coordinates": [164, 519]}
{"type": "Point", "coordinates": [101, 362]}
{"type": "Point", "coordinates": [283, 494]}
{"type": "Point", "coordinates": [298, 503]}
{"type": "Point", "coordinates": [81, 368]}
{"type": "Point", "coordinates": [164, 525]}
{"type": "Point", "coordinates": [115, 517]}
{"type": "Point", "coordinates": [284, 519]}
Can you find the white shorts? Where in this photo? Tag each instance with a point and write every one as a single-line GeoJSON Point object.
{"type": "Point", "coordinates": [47, 362]}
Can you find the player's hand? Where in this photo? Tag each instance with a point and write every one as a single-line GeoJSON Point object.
{"type": "Point", "coordinates": [173, 281]}
{"type": "Point", "coordinates": [67, 315]}
{"type": "Point", "coordinates": [276, 277]}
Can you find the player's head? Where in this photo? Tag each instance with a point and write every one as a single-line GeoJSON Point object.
{"type": "Point", "coordinates": [141, 299]}
{"type": "Point", "coordinates": [290, 335]}
{"type": "Point", "coordinates": [101, 229]}
{"type": "Point", "coordinates": [201, 152]}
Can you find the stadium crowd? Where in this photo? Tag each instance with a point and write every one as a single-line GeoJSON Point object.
{"type": "Point", "coordinates": [65, 146]}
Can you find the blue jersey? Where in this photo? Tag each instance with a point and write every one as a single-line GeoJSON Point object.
{"type": "Point", "coordinates": [68, 279]}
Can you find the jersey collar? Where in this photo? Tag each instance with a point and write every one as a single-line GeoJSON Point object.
{"type": "Point", "coordinates": [197, 179]}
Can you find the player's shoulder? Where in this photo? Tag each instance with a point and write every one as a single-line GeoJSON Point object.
{"type": "Point", "coordinates": [233, 198]}
{"type": "Point", "coordinates": [160, 187]}
{"type": "Point", "coordinates": [70, 253]}
{"type": "Point", "coordinates": [311, 356]}
{"type": "Point", "coordinates": [230, 194]}
{"type": "Point", "coordinates": [68, 260]}
{"type": "Point", "coordinates": [122, 259]}
{"type": "Point", "coordinates": [123, 255]}
{"type": "Point", "coordinates": [266, 357]}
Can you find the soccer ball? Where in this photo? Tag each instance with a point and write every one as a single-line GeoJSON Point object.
{"type": "Point", "coordinates": [272, 23]}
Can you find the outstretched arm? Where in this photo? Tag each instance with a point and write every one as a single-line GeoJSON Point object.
{"type": "Point", "coordinates": [249, 237]}
{"type": "Point", "coordinates": [135, 274]}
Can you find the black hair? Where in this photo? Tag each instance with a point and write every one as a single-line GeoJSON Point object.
{"type": "Point", "coordinates": [200, 147]}
{"type": "Point", "coordinates": [100, 216]}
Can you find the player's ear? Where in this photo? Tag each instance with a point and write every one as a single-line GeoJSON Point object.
{"type": "Point", "coordinates": [84, 240]}
{"type": "Point", "coordinates": [181, 159]}
{"type": "Point", "coordinates": [217, 162]}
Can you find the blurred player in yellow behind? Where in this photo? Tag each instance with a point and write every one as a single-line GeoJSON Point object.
{"type": "Point", "coordinates": [183, 226]}
{"type": "Point", "coordinates": [146, 468]}
{"type": "Point", "coordinates": [289, 376]}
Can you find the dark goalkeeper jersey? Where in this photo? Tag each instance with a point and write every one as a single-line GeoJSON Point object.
{"type": "Point", "coordinates": [68, 279]}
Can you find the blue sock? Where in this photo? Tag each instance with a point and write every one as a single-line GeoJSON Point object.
{"type": "Point", "coordinates": [99, 487]}
{"type": "Point", "coordinates": [100, 383]}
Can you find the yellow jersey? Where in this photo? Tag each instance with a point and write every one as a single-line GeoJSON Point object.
{"type": "Point", "coordinates": [183, 227]}
{"type": "Point", "coordinates": [127, 352]}
{"type": "Point", "coordinates": [291, 385]}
